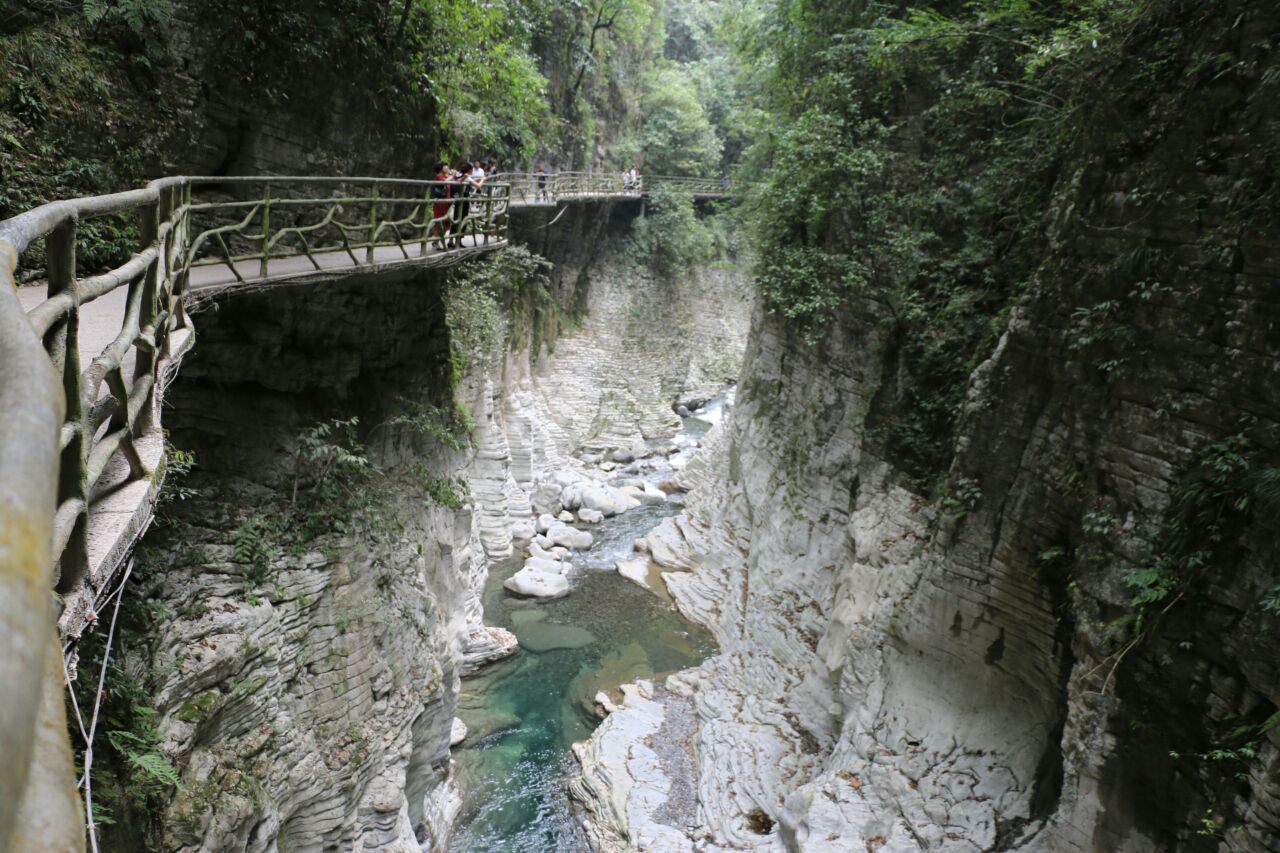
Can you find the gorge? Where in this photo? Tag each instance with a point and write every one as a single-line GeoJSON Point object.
{"type": "Point", "coordinates": [910, 486]}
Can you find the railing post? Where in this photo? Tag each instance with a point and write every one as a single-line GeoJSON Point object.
{"type": "Point", "coordinates": [182, 279]}
{"type": "Point", "coordinates": [63, 341]}
{"type": "Point", "coordinates": [428, 211]}
{"type": "Point", "coordinates": [266, 231]}
{"type": "Point", "coordinates": [373, 224]}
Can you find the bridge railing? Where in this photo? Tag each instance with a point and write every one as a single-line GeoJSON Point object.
{"type": "Point", "coordinates": [535, 188]}
{"type": "Point", "coordinates": [350, 218]}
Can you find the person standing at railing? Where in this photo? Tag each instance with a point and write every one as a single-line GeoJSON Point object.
{"type": "Point", "coordinates": [460, 191]}
{"type": "Point", "coordinates": [541, 175]}
{"type": "Point", "coordinates": [440, 194]}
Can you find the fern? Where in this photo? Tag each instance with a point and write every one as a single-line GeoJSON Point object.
{"type": "Point", "coordinates": [154, 767]}
{"type": "Point", "coordinates": [138, 15]}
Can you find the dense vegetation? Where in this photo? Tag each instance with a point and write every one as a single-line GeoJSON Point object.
{"type": "Point", "coordinates": [915, 155]}
{"type": "Point", "coordinates": [100, 95]}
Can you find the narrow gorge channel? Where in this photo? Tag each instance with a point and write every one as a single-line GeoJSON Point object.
{"type": "Point", "coordinates": [523, 715]}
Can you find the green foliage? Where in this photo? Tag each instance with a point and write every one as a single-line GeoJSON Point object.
{"type": "Point", "coordinates": [676, 136]}
{"type": "Point", "coordinates": [907, 156]}
{"type": "Point", "coordinates": [962, 496]}
{"type": "Point", "coordinates": [495, 302]}
{"type": "Point", "coordinates": [445, 427]}
{"type": "Point", "coordinates": [132, 777]}
{"type": "Point", "coordinates": [671, 238]}
{"type": "Point", "coordinates": [445, 491]}
{"type": "Point", "coordinates": [1226, 489]}
{"type": "Point", "coordinates": [139, 15]}
{"type": "Point", "coordinates": [329, 455]}
{"type": "Point", "coordinates": [178, 467]}
{"type": "Point", "coordinates": [487, 86]}
{"type": "Point", "coordinates": [255, 547]}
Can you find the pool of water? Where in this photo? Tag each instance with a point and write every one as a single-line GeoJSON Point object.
{"type": "Point", "coordinates": [524, 713]}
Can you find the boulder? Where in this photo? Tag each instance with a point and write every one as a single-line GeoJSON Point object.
{"type": "Point", "coordinates": [622, 455]}
{"type": "Point", "coordinates": [550, 565]}
{"type": "Point", "coordinates": [566, 516]}
{"type": "Point", "coordinates": [537, 584]}
{"type": "Point", "coordinates": [523, 530]}
{"type": "Point", "coordinates": [541, 541]}
{"type": "Point", "coordinates": [636, 570]}
{"type": "Point", "coordinates": [570, 537]}
{"type": "Point", "coordinates": [599, 497]}
{"type": "Point", "coordinates": [651, 494]}
{"type": "Point", "coordinates": [536, 550]}
{"type": "Point", "coordinates": [457, 732]}
{"type": "Point", "coordinates": [642, 545]}
{"type": "Point", "coordinates": [545, 522]}
{"type": "Point", "coordinates": [590, 516]}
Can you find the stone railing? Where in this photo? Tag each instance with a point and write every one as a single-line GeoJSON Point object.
{"type": "Point", "coordinates": [75, 438]}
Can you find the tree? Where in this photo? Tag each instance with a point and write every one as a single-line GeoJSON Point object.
{"type": "Point", "coordinates": [677, 136]}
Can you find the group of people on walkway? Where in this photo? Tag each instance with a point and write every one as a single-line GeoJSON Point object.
{"type": "Point", "coordinates": [455, 185]}
{"type": "Point", "coordinates": [448, 214]}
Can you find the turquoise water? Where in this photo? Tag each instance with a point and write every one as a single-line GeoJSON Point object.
{"type": "Point", "coordinates": [524, 713]}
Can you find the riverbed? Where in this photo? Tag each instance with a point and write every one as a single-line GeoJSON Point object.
{"type": "Point", "coordinates": [523, 714]}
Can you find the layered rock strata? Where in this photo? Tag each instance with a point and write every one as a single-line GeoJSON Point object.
{"type": "Point", "coordinates": [903, 673]}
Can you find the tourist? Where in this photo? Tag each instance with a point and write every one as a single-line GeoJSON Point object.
{"type": "Point", "coordinates": [440, 193]}
{"type": "Point", "coordinates": [542, 181]}
{"type": "Point", "coordinates": [462, 189]}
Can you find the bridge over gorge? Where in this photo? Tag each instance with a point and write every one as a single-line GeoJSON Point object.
{"type": "Point", "coordinates": [81, 448]}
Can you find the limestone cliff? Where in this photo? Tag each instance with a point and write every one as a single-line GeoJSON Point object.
{"type": "Point", "coordinates": [1073, 646]}
{"type": "Point", "coordinates": [303, 657]}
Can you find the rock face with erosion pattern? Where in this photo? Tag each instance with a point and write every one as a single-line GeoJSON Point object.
{"type": "Point", "coordinates": [312, 706]}
{"type": "Point", "coordinates": [904, 671]}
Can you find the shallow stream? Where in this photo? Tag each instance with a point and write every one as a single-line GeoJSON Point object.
{"type": "Point", "coordinates": [524, 713]}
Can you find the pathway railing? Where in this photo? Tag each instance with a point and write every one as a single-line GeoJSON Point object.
{"type": "Point", "coordinates": [535, 188]}
{"type": "Point", "coordinates": [64, 423]}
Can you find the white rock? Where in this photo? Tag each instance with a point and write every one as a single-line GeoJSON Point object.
{"type": "Point", "coordinates": [590, 516]}
{"type": "Point", "coordinates": [458, 733]}
{"type": "Point", "coordinates": [570, 537]}
{"type": "Point", "coordinates": [536, 550]}
{"type": "Point", "coordinates": [545, 521]}
{"type": "Point", "coordinates": [603, 499]}
{"type": "Point", "coordinates": [537, 584]}
{"type": "Point", "coordinates": [541, 541]}
{"type": "Point", "coordinates": [566, 516]}
{"type": "Point", "coordinates": [642, 545]}
{"type": "Point", "coordinates": [636, 570]}
{"type": "Point", "coordinates": [544, 564]}
{"type": "Point", "coordinates": [523, 531]}
{"type": "Point", "coordinates": [652, 495]}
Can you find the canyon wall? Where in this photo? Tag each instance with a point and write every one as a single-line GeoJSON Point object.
{"type": "Point", "coordinates": [1072, 644]}
{"type": "Point", "coordinates": [303, 657]}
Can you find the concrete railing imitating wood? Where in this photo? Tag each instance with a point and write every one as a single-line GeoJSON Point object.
{"type": "Point", "coordinates": [74, 438]}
